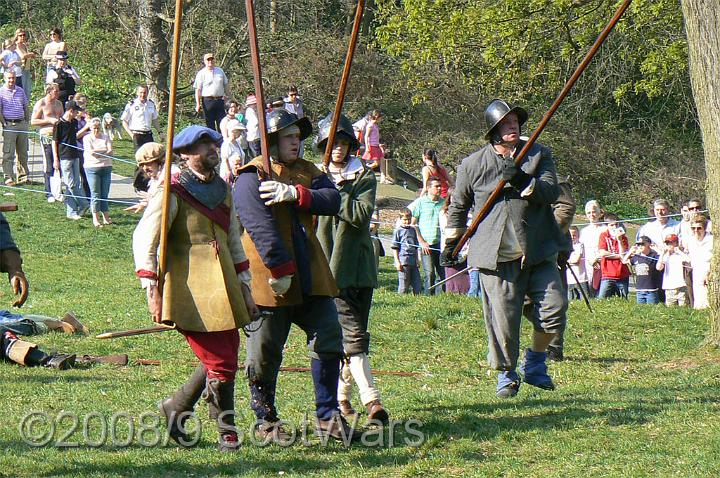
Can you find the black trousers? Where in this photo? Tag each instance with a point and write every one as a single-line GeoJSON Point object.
{"type": "Point", "coordinates": [214, 110]}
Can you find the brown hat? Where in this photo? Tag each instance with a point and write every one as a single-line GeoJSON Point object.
{"type": "Point", "coordinates": [149, 153]}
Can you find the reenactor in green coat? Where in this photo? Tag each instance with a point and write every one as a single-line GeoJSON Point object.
{"type": "Point", "coordinates": [345, 239]}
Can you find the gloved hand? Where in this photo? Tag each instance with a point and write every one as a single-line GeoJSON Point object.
{"type": "Point", "coordinates": [446, 256]}
{"type": "Point", "coordinates": [274, 192]}
{"type": "Point", "coordinates": [280, 285]}
{"type": "Point", "coordinates": [19, 285]}
{"type": "Point", "coordinates": [518, 178]}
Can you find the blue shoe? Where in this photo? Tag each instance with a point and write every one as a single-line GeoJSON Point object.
{"type": "Point", "coordinates": [508, 384]}
{"type": "Point", "coordinates": [534, 370]}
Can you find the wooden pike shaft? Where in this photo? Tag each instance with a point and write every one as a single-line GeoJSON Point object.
{"type": "Point", "coordinates": [257, 76]}
{"type": "Point", "coordinates": [133, 332]}
{"type": "Point", "coordinates": [343, 81]}
{"type": "Point", "coordinates": [545, 120]}
{"type": "Point", "coordinates": [164, 226]}
{"type": "Point", "coordinates": [8, 206]}
{"type": "Point", "coordinates": [297, 369]}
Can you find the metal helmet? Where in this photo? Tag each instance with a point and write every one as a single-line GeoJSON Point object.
{"type": "Point", "coordinates": [344, 129]}
{"type": "Point", "coordinates": [280, 118]}
{"type": "Point", "coordinates": [497, 110]}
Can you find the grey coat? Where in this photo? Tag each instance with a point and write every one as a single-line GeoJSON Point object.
{"type": "Point", "coordinates": [532, 216]}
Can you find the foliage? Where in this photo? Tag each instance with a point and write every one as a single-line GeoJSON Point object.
{"type": "Point", "coordinates": [636, 396]}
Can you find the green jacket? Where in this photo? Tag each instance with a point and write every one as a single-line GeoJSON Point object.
{"type": "Point", "coordinates": [345, 238]}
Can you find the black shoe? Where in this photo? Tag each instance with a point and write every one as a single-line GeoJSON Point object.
{"type": "Point", "coordinates": [61, 361]}
{"type": "Point", "coordinates": [555, 354]}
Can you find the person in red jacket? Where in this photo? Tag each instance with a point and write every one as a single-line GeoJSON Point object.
{"type": "Point", "coordinates": [613, 244]}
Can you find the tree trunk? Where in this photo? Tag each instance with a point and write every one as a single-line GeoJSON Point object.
{"type": "Point", "coordinates": [273, 16]}
{"type": "Point", "coordinates": [156, 59]}
{"type": "Point", "coordinates": [702, 18]}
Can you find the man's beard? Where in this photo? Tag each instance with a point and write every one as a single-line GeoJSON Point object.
{"type": "Point", "coordinates": [210, 161]}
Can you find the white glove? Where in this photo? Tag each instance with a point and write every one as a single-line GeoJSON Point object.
{"type": "Point", "coordinates": [274, 192]}
{"type": "Point", "coordinates": [280, 285]}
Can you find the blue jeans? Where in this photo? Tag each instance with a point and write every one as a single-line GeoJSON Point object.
{"type": "Point", "coordinates": [409, 280]}
{"type": "Point", "coordinates": [474, 290]}
{"type": "Point", "coordinates": [610, 287]}
{"type": "Point", "coordinates": [432, 268]}
{"type": "Point", "coordinates": [99, 182]}
{"type": "Point", "coordinates": [648, 297]}
{"type": "Point", "coordinates": [74, 199]}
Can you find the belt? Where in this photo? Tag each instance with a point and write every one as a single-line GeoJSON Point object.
{"type": "Point", "coordinates": [14, 121]}
{"type": "Point", "coordinates": [141, 132]}
{"type": "Point", "coordinates": [212, 97]}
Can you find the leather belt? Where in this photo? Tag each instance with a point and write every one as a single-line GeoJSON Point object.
{"type": "Point", "coordinates": [141, 132]}
{"type": "Point", "coordinates": [14, 121]}
{"type": "Point", "coordinates": [212, 97]}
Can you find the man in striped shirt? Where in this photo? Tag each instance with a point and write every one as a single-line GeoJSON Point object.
{"type": "Point", "coordinates": [14, 116]}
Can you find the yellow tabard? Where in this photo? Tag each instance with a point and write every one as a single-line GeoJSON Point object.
{"type": "Point", "coordinates": [201, 288]}
{"type": "Point", "coordinates": [301, 172]}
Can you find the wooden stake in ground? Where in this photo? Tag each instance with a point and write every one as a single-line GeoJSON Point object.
{"type": "Point", "coordinates": [164, 226]}
{"type": "Point", "coordinates": [343, 82]}
{"type": "Point", "coordinates": [545, 120]}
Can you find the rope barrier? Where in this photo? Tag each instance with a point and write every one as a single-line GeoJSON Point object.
{"type": "Point", "coordinates": [40, 136]}
{"type": "Point", "coordinates": [18, 188]}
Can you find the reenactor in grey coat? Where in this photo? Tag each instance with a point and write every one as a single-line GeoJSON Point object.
{"type": "Point", "coordinates": [515, 247]}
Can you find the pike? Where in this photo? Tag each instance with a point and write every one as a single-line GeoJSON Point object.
{"type": "Point", "coordinates": [164, 227]}
{"type": "Point", "coordinates": [295, 369]}
{"type": "Point", "coordinates": [438, 284]}
{"type": "Point", "coordinates": [8, 206]}
{"type": "Point", "coordinates": [134, 332]}
{"type": "Point", "coordinates": [545, 120]}
{"type": "Point", "coordinates": [343, 83]}
{"type": "Point", "coordinates": [257, 77]}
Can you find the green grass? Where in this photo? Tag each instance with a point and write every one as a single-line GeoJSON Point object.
{"type": "Point", "coordinates": [637, 396]}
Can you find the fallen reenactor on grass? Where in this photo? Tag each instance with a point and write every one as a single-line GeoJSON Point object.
{"type": "Point", "coordinates": [12, 348]}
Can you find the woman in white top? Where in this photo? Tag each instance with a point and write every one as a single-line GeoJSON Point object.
{"type": "Point", "coordinates": [55, 45]}
{"type": "Point", "coordinates": [232, 155]}
{"type": "Point", "coordinates": [700, 245]}
{"type": "Point", "coordinates": [10, 61]}
{"type": "Point", "coordinates": [97, 148]}
{"type": "Point", "coordinates": [590, 239]}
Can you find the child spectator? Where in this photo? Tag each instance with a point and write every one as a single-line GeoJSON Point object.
{"type": "Point", "coordinates": [405, 249]}
{"type": "Point", "coordinates": [672, 262]}
{"type": "Point", "coordinates": [576, 264]}
{"type": "Point", "coordinates": [647, 277]}
{"type": "Point", "coordinates": [612, 246]}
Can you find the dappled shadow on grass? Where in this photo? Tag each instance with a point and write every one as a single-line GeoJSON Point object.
{"type": "Point", "coordinates": [624, 406]}
{"type": "Point", "coordinates": [61, 377]}
{"type": "Point", "coordinates": [601, 360]}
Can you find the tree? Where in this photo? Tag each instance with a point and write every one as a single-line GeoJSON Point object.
{"type": "Point", "coordinates": [156, 60]}
{"type": "Point", "coordinates": [702, 18]}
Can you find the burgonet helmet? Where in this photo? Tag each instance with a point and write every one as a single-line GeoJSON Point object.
{"type": "Point", "coordinates": [499, 109]}
{"type": "Point", "coordinates": [344, 129]}
{"type": "Point", "coordinates": [280, 118]}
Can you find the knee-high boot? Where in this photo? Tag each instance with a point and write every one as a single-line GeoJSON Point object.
{"type": "Point", "coordinates": [221, 403]}
{"type": "Point", "coordinates": [178, 408]}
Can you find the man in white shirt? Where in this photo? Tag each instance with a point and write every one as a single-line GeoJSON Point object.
{"type": "Point", "coordinates": [139, 116]}
{"type": "Point", "coordinates": [252, 125]}
{"type": "Point", "coordinates": [210, 85]}
{"type": "Point", "coordinates": [662, 226]}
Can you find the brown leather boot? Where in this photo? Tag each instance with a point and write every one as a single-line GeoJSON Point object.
{"type": "Point", "coordinates": [70, 319]}
{"type": "Point", "coordinates": [337, 428]}
{"type": "Point", "coordinates": [221, 404]}
{"type": "Point", "coordinates": [346, 408]}
{"type": "Point", "coordinates": [178, 408]}
{"type": "Point", "coordinates": [376, 412]}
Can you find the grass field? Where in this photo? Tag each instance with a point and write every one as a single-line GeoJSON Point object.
{"type": "Point", "coordinates": [637, 396]}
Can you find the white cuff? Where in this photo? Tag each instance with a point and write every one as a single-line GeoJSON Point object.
{"type": "Point", "coordinates": [529, 189]}
{"type": "Point", "coordinates": [145, 282]}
